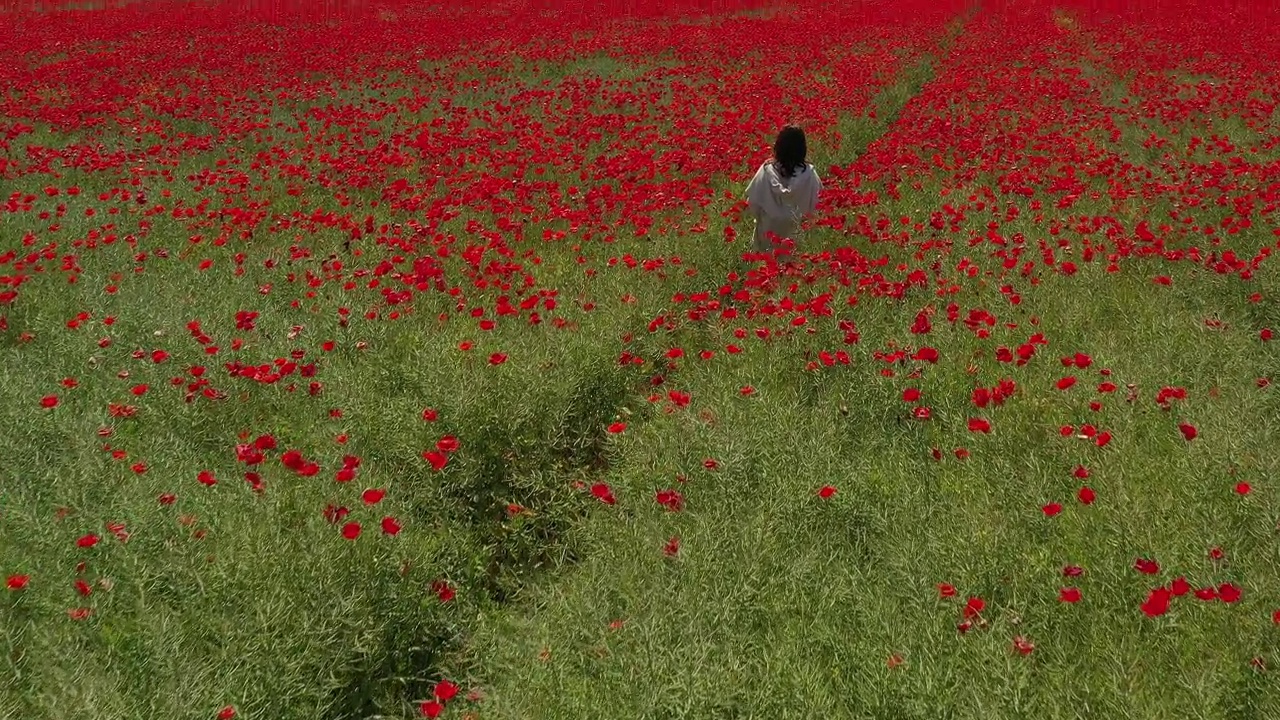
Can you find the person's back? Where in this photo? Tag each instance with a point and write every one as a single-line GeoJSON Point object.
{"type": "Point", "coordinates": [784, 190]}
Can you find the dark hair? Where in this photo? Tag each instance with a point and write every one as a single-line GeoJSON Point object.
{"type": "Point", "coordinates": [789, 151]}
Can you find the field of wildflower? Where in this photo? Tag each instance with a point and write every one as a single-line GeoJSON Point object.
{"type": "Point", "coordinates": [407, 359]}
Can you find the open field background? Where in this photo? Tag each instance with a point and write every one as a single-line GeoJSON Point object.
{"type": "Point", "coordinates": [397, 359]}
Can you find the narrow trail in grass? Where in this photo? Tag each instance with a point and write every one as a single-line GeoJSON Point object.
{"type": "Point", "coordinates": [858, 132]}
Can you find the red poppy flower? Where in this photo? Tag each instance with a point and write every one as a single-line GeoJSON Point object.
{"type": "Point", "coordinates": [672, 547]}
{"type": "Point", "coordinates": [1069, 595]}
{"type": "Point", "coordinates": [351, 530]}
{"type": "Point", "coordinates": [437, 459]}
{"type": "Point", "coordinates": [670, 499]}
{"type": "Point", "coordinates": [1229, 592]}
{"type": "Point", "coordinates": [445, 691]}
{"type": "Point", "coordinates": [1157, 602]}
{"type": "Point", "coordinates": [390, 526]}
{"type": "Point", "coordinates": [602, 493]}
{"type": "Point", "coordinates": [974, 607]}
{"type": "Point", "coordinates": [443, 590]}
{"type": "Point", "coordinates": [1146, 566]}
{"type": "Point", "coordinates": [826, 491]}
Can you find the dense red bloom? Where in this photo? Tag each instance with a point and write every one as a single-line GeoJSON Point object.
{"type": "Point", "coordinates": [227, 713]}
{"type": "Point", "coordinates": [1188, 431]}
{"type": "Point", "coordinates": [204, 477]}
{"type": "Point", "coordinates": [1086, 495]}
{"type": "Point", "coordinates": [1243, 488]}
{"type": "Point", "coordinates": [390, 526]}
{"type": "Point", "coordinates": [826, 492]}
{"type": "Point", "coordinates": [373, 496]}
{"type": "Point", "coordinates": [979, 425]}
{"type": "Point", "coordinates": [431, 709]}
{"type": "Point", "coordinates": [17, 582]}
{"type": "Point", "coordinates": [351, 530]}
{"type": "Point", "coordinates": [49, 401]}
{"type": "Point", "coordinates": [946, 590]}
{"type": "Point", "coordinates": [88, 541]}
{"type": "Point", "coordinates": [1069, 595]}
{"type": "Point", "coordinates": [1051, 509]}
{"type": "Point", "coordinates": [617, 427]}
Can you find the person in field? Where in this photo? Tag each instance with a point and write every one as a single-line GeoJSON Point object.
{"type": "Point", "coordinates": [784, 190]}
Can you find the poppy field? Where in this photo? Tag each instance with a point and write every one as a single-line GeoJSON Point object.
{"type": "Point", "coordinates": [402, 359]}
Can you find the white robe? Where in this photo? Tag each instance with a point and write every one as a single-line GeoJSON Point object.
{"type": "Point", "coordinates": [779, 204]}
